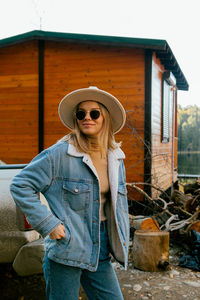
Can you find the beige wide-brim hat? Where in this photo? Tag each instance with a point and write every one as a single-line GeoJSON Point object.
{"type": "Point", "coordinates": [68, 104]}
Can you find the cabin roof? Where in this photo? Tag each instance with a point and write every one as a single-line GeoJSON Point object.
{"type": "Point", "coordinates": [161, 47]}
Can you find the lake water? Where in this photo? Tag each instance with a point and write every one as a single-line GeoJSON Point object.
{"type": "Point", "coordinates": [189, 163]}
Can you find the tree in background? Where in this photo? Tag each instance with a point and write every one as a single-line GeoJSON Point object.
{"type": "Point", "coordinates": [188, 128]}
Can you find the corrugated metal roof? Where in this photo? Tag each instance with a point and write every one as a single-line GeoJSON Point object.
{"type": "Point", "coordinates": [161, 47]}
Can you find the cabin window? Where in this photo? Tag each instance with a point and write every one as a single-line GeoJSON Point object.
{"type": "Point", "coordinates": [165, 111]}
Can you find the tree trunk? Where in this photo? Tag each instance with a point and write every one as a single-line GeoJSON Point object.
{"type": "Point", "coordinates": [151, 250]}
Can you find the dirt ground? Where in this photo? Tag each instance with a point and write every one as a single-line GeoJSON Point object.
{"type": "Point", "coordinates": [175, 283]}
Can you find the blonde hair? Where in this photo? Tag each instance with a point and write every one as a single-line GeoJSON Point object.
{"type": "Point", "coordinates": [101, 143]}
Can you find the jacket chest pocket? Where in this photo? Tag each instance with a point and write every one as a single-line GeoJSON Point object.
{"type": "Point", "coordinates": [77, 194]}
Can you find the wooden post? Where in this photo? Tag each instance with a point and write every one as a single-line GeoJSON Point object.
{"type": "Point", "coordinates": [151, 250]}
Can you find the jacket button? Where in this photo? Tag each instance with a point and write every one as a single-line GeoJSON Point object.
{"type": "Point", "coordinates": [76, 190]}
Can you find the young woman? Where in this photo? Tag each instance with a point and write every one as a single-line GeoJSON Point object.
{"type": "Point", "coordinates": [83, 179]}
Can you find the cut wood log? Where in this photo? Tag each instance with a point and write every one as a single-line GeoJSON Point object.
{"type": "Point", "coordinates": [185, 201]}
{"type": "Point", "coordinates": [144, 223]}
{"type": "Point", "coordinates": [151, 250]}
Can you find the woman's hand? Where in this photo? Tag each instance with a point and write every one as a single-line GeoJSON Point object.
{"type": "Point", "coordinates": [58, 233]}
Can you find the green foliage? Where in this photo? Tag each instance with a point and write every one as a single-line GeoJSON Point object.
{"type": "Point", "coordinates": [189, 128]}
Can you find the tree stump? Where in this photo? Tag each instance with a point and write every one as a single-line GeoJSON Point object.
{"type": "Point", "coordinates": [151, 250]}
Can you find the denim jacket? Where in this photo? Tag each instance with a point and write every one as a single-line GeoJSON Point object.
{"type": "Point", "coordinates": [70, 184]}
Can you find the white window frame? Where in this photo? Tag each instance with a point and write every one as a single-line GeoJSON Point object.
{"type": "Point", "coordinates": [165, 112]}
{"type": "Point", "coordinates": [168, 81]}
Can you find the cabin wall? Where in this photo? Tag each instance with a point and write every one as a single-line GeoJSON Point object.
{"type": "Point", "coordinates": [162, 158]}
{"type": "Point", "coordinates": [118, 70]}
{"type": "Point", "coordinates": [19, 102]}
{"type": "Point", "coordinates": [68, 66]}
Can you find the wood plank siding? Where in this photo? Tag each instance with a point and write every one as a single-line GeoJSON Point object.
{"type": "Point", "coordinates": [19, 102]}
{"type": "Point", "coordinates": [118, 70]}
{"type": "Point", "coordinates": [162, 153]}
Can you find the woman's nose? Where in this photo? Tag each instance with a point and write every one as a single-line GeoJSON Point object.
{"type": "Point", "coordinates": [87, 116]}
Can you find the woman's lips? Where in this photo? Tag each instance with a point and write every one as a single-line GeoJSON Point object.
{"type": "Point", "coordinates": [87, 124]}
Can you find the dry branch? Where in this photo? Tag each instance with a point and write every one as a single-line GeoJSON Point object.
{"type": "Point", "coordinates": [151, 200]}
{"type": "Point", "coordinates": [175, 213]}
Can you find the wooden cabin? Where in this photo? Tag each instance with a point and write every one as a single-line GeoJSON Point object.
{"type": "Point", "coordinates": [38, 68]}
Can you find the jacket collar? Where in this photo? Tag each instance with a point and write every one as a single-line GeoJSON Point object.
{"type": "Point", "coordinates": [117, 153]}
{"type": "Point", "coordinates": [73, 152]}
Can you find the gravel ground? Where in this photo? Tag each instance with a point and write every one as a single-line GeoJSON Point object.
{"type": "Point", "coordinates": [175, 283]}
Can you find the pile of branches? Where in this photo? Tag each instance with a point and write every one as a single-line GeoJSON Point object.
{"type": "Point", "coordinates": [177, 212]}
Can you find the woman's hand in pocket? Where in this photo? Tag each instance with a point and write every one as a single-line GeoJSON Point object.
{"type": "Point", "coordinates": [58, 232]}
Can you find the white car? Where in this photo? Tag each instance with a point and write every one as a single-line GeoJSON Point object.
{"type": "Point", "coordinates": [19, 244]}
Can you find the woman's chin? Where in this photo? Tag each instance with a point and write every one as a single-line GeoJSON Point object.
{"type": "Point", "coordinates": [89, 132]}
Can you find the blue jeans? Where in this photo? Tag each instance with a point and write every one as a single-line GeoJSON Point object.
{"type": "Point", "coordinates": [63, 282]}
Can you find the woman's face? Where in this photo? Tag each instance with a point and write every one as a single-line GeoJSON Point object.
{"type": "Point", "coordinates": [89, 126]}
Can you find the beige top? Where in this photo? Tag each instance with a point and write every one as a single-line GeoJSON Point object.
{"type": "Point", "coordinates": [101, 165]}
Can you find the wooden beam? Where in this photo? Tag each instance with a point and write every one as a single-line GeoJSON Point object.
{"type": "Point", "coordinates": [41, 95]}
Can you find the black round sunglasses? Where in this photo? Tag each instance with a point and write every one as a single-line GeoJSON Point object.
{"type": "Point", "coordinates": [94, 114]}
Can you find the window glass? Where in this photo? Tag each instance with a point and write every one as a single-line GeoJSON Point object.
{"type": "Point", "coordinates": [165, 112]}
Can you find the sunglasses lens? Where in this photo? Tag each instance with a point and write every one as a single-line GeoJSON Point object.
{"type": "Point", "coordinates": [94, 114]}
{"type": "Point", "coordinates": [80, 115]}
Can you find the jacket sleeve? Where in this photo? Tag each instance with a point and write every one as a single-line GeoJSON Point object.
{"type": "Point", "coordinates": [25, 188]}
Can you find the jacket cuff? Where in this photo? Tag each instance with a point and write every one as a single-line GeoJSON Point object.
{"type": "Point", "coordinates": [47, 225]}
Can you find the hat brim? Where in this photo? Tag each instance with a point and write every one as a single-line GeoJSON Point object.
{"type": "Point", "coordinates": [70, 101]}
